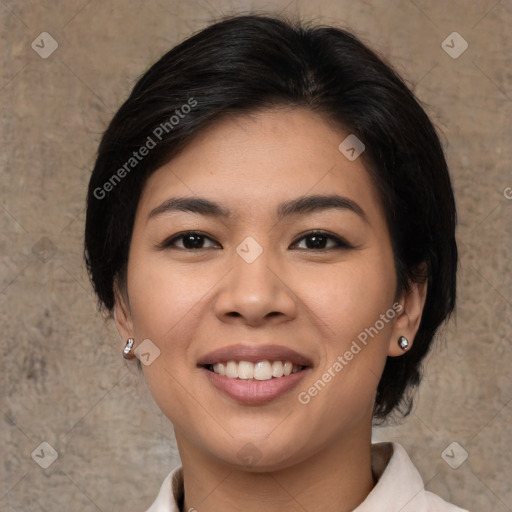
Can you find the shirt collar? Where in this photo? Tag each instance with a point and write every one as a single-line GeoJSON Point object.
{"type": "Point", "coordinates": [399, 485]}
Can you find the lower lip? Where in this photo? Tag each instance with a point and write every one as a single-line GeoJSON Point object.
{"type": "Point", "coordinates": [253, 392]}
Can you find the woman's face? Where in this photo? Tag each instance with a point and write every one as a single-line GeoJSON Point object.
{"type": "Point", "coordinates": [258, 277]}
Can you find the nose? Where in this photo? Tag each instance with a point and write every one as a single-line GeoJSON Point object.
{"type": "Point", "coordinates": [255, 293]}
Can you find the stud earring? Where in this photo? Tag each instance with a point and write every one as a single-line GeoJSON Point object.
{"type": "Point", "coordinates": [403, 343]}
{"type": "Point", "coordinates": [128, 349]}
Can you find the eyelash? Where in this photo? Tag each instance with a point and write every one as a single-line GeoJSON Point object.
{"type": "Point", "coordinates": [340, 242]}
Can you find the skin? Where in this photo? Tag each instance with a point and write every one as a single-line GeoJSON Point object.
{"type": "Point", "coordinates": [188, 302]}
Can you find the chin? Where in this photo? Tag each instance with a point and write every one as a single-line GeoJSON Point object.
{"type": "Point", "coordinates": [261, 454]}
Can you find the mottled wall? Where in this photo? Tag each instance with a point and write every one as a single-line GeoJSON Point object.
{"type": "Point", "coordinates": [63, 379]}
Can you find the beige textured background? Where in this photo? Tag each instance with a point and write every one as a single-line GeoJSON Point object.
{"type": "Point", "coordinates": [63, 380]}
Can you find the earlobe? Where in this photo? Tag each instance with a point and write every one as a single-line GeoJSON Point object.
{"type": "Point", "coordinates": [408, 320]}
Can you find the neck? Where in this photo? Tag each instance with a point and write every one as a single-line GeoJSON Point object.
{"type": "Point", "coordinates": [335, 479]}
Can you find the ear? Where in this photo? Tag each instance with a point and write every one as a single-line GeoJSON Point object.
{"type": "Point", "coordinates": [122, 313]}
{"type": "Point", "coordinates": [407, 321]}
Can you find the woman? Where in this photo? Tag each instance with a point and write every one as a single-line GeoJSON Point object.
{"type": "Point", "coordinates": [271, 223]}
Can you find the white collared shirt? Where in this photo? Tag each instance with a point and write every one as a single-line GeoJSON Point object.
{"type": "Point", "coordinates": [399, 486]}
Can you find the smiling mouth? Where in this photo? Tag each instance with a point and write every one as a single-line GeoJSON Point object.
{"type": "Point", "coordinates": [261, 370]}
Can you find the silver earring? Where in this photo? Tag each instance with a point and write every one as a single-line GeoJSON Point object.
{"type": "Point", "coordinates": [403, 343]}
{"type": "Point", "coordinates": [128, 349]}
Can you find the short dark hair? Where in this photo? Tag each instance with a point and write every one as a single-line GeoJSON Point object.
{"type": "Point", "coordinates": [244, 64]}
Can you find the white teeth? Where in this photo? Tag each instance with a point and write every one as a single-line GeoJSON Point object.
{"type": "Point", "coordinates": [219, 368]}
{"type": "Point", "coordinates": [262, 370]}
{"type": "Point", "coordinates": [231, 370]}
{"type": "Point", "coordinates": [277, 369]}
{"type": "Point", "coordinates": [245, 370]}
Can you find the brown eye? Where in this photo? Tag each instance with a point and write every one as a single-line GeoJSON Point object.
{"type": "Point", "coordinates": [317, 240]}
{"type": "Point", "coordinates": [191, 240]}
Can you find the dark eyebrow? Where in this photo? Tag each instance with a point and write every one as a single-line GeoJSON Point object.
{"type": "Point", "coordinates": [199, 205]}
{"type": "Point", "coordinates": [299, 206]}
{"type": "Point", "coordinates": [314, 203]}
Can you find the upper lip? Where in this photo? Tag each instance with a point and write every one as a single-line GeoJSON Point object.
{"type": "Point", "coordinates": [254, 353]}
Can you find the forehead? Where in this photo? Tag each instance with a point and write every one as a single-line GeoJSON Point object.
{"type": "Point", "coordinates": [252, 163]}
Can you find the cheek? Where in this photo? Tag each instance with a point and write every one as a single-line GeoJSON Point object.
{"type": "Point", "coordinates": [356, 306]}
{"type": "Point", "coordinates": [351, 296]}
{"type": "Point", "coordinates": [167, 305]}
{"type": "Point", "coordinates": [162, 294]}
